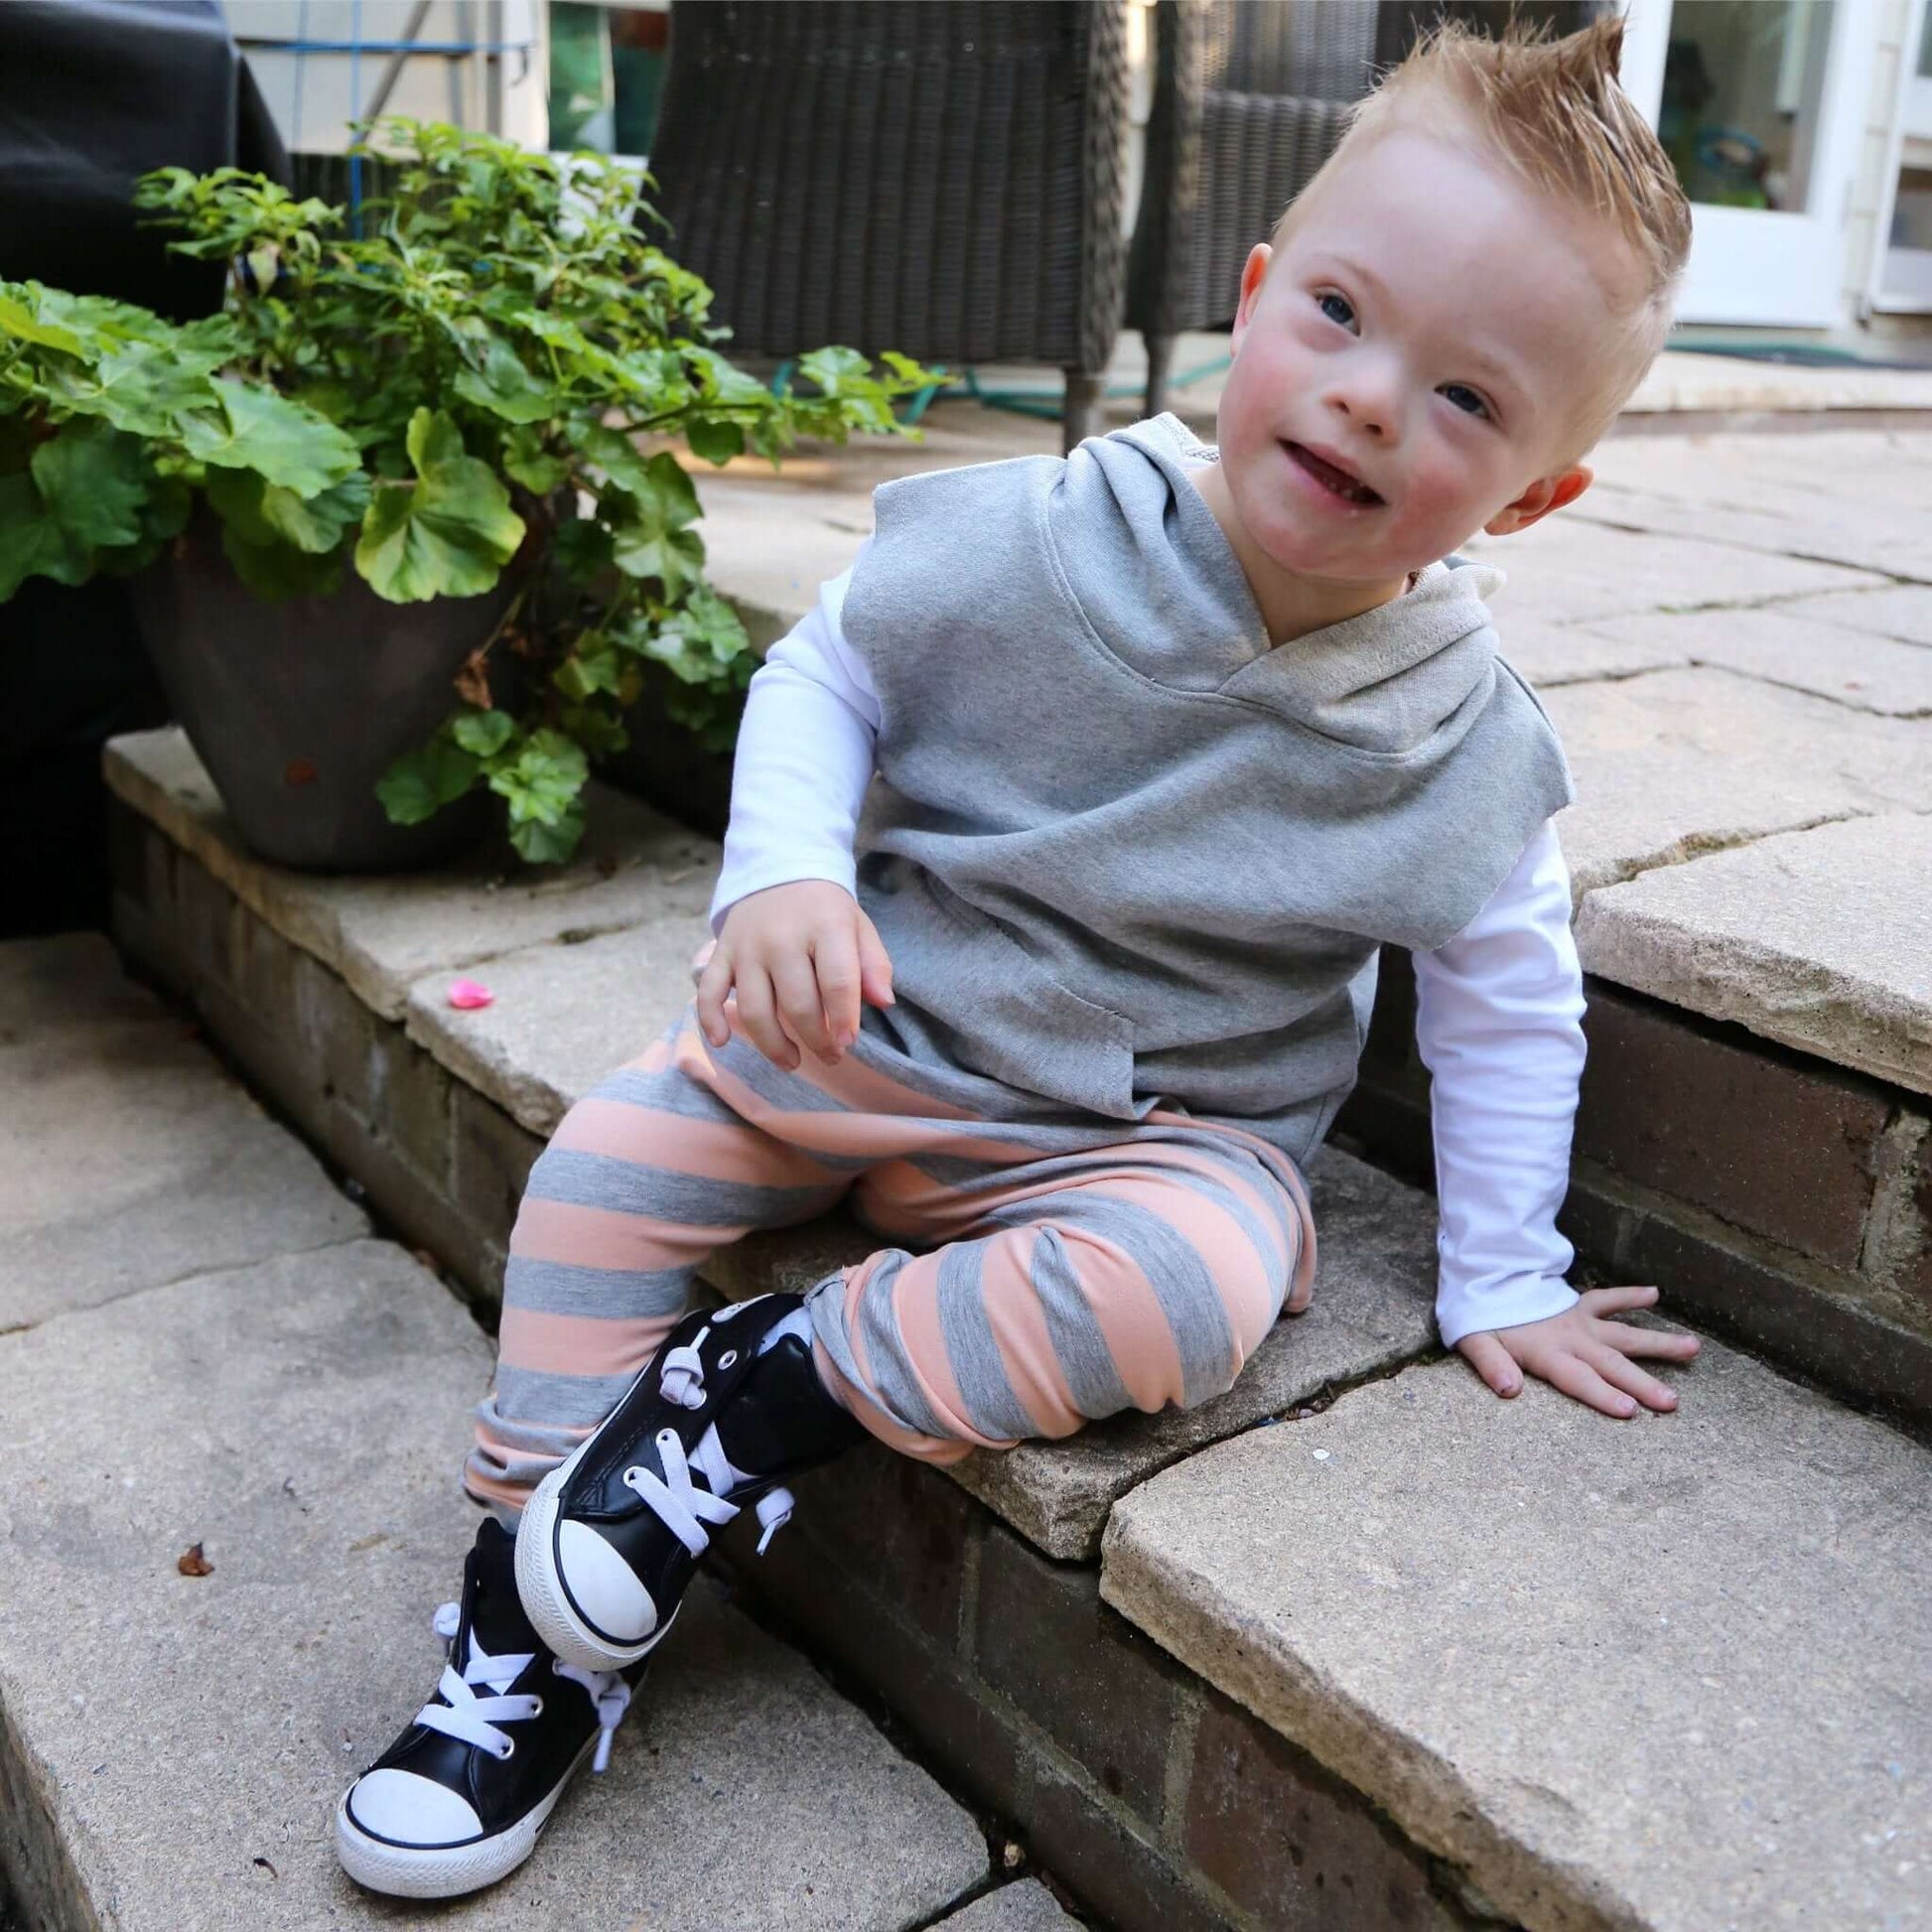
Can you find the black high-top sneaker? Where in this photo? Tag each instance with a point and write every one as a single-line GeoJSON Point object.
{"type": "Point", "coordinates": [728, 1408]}
{"type": "Point", "coordinates": [458, 1801]}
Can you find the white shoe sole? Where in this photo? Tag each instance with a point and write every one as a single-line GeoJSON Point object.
{"type": "Point", "coordinates": [444, 1871]}
{"type": "Point", "coordinates": [546, 1602]}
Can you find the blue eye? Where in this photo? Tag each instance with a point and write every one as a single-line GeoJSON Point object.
{"type": "Point", "coordinates": [1462, 398]}
{"type": "Point", "coordinates": [1328, 302]}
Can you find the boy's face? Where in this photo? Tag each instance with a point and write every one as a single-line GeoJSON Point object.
{"type": "Point", "coordinates": [1408, 364]}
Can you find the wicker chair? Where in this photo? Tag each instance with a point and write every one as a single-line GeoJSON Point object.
{"type": "Point", "coordinates": [941, 177]}
{"type": "Point", "coordinates": [1250, 99]}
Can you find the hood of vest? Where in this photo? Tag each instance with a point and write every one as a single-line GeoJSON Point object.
{"type": "Point", "coordinates": [1155, 575]}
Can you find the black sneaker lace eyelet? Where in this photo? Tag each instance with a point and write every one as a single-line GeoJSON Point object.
{"type": "Point", "coordinates": [536, 1707]}
{"type": "Point", "coordinates": [727, 1358]}
{"type": "Point", "coordinates": [509, 1752]}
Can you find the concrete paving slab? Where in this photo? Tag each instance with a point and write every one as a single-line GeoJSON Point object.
{"type": "Point", "coordinates": [1902, 611]}
{"type": "Point", "coordinates": [1857, 498]}
{"type": "Point", "coordinates": [383, 934]}
{"type": "Point", "coordinates": [1373, 1307]}
{"type": "Point", "coordinates": [565, 1016]}
{"type": "Point", "coordinates": [1568, 570]}
{"type": "Point", "coordinates": [1775, 643]}
{"type": "Point", "coordinates": [1578, 654]}
{"type": "Point", "coordinates": [1671, 1674]}
{"type": "Point", "coordinates": [128, 1156]}
{"type": "Point", "coordinates": [1819, 939]}
{"type": "Point", "coordinates": [1679, 762]}
{"type": "Point", "coordinates": [1025, 1908]}
{"type": "Point", "coordinates": [185, 1737]}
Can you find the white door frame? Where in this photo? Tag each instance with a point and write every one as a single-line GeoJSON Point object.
{"type": "Point", "coordinates": [1901, 282]}
{"type": "Point", "coordinates": [1758, 266]}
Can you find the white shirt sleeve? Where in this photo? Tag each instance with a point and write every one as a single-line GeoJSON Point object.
{"type": "Point", "coordinates": [1498, 1023]}
{"type": "Point", "coordinates": [804, 761]}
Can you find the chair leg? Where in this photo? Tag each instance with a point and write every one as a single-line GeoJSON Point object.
{"type": "Point", "coordinates": [1160, 366]}
{"type": "Point", "coordinates": [1080, 415]}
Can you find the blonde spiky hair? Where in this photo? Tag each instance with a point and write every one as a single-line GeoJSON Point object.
{"type": "Point", "coordinates": [1552, 112]}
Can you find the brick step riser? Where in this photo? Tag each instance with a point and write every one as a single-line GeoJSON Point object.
{"type": "Point", "coordinates": [1777, 1200]}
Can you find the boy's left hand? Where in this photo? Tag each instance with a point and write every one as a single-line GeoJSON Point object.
{"type": "Point", "coordinates": [1582, 1354]}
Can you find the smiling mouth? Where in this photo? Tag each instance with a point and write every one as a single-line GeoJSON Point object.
{"type": "Point", "coordinates": [1338, 482]}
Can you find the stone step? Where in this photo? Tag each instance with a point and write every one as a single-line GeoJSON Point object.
{"type": "Point", "coordinates": [171, 1745]}
{"type": "Point", "coordinates": [127, 1155]}
{"type": "Point", "coordinates": [969, 1602]}
{"type": "Point", "coordinates": [1674, 1673]}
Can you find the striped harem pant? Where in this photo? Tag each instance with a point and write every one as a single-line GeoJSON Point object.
{"type": "Point", "coordinates": [1072, 1266]}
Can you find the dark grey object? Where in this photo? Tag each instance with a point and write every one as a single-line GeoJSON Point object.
{"type": "Point", "coordinates": [1250, 99]}
{"type": "Point", "coordinates": [298, 708]}
{"type": "Point", "coordinates": [941, 178]}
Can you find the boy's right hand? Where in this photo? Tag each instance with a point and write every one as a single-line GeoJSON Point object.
{"type": "Point", "coordinates": [799, 958]}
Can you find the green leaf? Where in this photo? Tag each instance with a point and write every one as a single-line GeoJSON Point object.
{"type": "Point", "coordinates": [286, 442]}
{"type": "Point", "coordinates": [594, 729]}
{"type": "Point", "coordinates": [527, 461]}
{"type": "Point", "coordinates": [652, 539]}
{"type": "Point", "coordinates": [276, 571]}
{"type": "Point", "coordinates": [593, 665]}
{"type": "Point", "coordinates": [93, 481]}
{"type": "Point", "coordinates": [450, 533]}
{"type": "Point", "coordinates": [617, 455]}
{"type": "Point", "coordinates": [543, 780]}
{"type": "Point", "coordinates": [20, 322]}
{"type": "Point", "coordinates": [835, 369]}
{"type": "Point", "coordinates": [714, 441]}
{"type": "Point", "coordinates": [235, 496]}
{"type": "Point", "coordinates": [33, 543]}
{"type": "Point", "coordinates": [315, 523]}
{"type": "Point", "coordinates": [505, 388]}
{"type": "Point", "coordinates": [482, 734]}
{"type": "Point", "coordinates": [421, 783]}
{"type": "Point", "coordinates": [542, 844]}
{"type": "Point", "coordinates": [583, 548]}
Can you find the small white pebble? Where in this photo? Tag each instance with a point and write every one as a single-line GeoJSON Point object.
{"type": "Point", "coordinates": [1321, 1455]}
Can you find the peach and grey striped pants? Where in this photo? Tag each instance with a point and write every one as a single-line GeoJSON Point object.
{"type": "Point", "coordinates": [1073, 1266]}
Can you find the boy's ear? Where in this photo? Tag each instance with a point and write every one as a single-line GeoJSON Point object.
{"type": "Point", "coordinates": [1254, 272]}
{"type": "Point", "coordinates": [1546, 494]}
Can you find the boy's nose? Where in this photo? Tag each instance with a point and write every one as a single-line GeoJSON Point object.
{"type": "Point", "coordinates": [1367, 397]}
{"type": "Point", "coordinates": [1372, 412]}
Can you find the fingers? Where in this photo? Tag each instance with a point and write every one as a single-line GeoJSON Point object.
{"type": "Point", "coordinates": [796, 986]}
{"type": "Point", "coordinates": [1576, 1378]}
{"type": "Point", "coordinates": [1493, 1362]}
{"type": "Point", "coordinates": [758, 1018]}
{"type": "Point", "coordinates": [1668, 1343]}
{"type": "Point", "coordinates": [1625, 1375]}
{"type": "Point", "coordinates": [1613, 1301]}
{"type": "Point", "coordinates": [714, 975]}
{"type": "Point", "coordinates": [875, 965]}
{"type": "Point", "coordinates": [836, 959]}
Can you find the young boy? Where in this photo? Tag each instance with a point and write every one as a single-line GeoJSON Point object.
{"type": "Point", "coordinates": [1157, 746]}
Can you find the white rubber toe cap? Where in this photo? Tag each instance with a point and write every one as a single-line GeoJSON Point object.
{"type": "Point", "coordinates": [602, 1586]}
{"type": "Point", "coordinates": [408, 1810]}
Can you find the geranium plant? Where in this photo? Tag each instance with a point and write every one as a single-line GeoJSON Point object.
{"type": "Point", "coordinates": [457, 392]}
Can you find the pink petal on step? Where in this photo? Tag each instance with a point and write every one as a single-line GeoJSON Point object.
{"type": "Point", "coordinates": [468, 994]}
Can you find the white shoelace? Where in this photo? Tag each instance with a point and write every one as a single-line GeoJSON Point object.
{"type": "Point", "coordinates": [684, 1508]}
{"type": "Point", "coordinates": [472, 1720]}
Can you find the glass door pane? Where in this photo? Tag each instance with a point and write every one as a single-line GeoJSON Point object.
{"type": "Point", "coordinates": [1742, 85]}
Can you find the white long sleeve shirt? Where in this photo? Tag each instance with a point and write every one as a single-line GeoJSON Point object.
{"type": "Point", "coordinates": [1499, 1007]}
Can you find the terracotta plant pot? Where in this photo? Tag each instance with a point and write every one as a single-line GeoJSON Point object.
{"type": "Point", "coordinates": [298, 708]}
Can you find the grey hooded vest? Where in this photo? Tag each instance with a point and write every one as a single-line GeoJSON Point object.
{"type": "Point", "coordinates": [1124, 854]}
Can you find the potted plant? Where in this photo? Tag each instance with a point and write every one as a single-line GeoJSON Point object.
{"type": "Point", "coordinates": [403, 459]}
